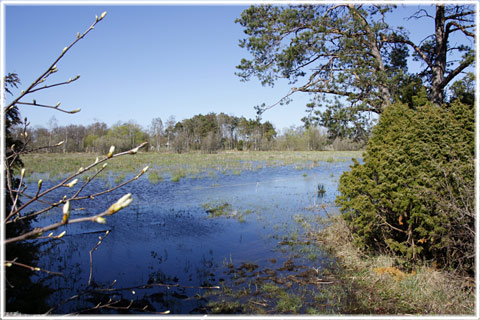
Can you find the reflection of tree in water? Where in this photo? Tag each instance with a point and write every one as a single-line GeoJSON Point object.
{"type": "Point", "coordinates": [182, 297]}
{"type": "Point", "coordinates": [177, 290]}
{"type": "Point", "coordinates": [23, 293]}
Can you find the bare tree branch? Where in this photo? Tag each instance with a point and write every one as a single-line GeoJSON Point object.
{"type": "Point", "coordinates": [52, 68]}
{"type": "Point", "coordinates": [460, 27]}
{"type": "Point", "coordinates": [91, 258]}
{"type": "Point", "coordinates": [457, 70]}
{"type": "Point", "coordinates": [72, 176]}
{"type": "Point", "coordinates": [98, 218]}
{"type": "Point", "coordinates": [56, 84]}
{"type": "Point", "coordinates": [459, 15]}
{"type": "Point", "coordinates": [9, 263]}
{"type": "Point", "coordinates": [47, 106]}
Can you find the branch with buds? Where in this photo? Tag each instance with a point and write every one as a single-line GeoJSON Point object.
{"type": "Point", "coordinates": [121, 203]}
{"type": "Point", "coordinates": [14, 262]}
{"type": "Point", "coordinates": [51, 70]}
{"type": "Point", "coordinates": [22, 202]}
{"type": "Point", "coordinates": [70, 182]}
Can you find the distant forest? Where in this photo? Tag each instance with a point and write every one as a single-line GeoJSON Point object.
{"type": "Point", "coordinates": [206, 133]}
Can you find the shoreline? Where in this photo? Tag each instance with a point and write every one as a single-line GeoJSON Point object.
{"type": "Point", "coordinates": [381, 284]}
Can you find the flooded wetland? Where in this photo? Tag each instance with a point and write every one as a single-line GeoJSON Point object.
{"type": "Point", "coordinates": [237, 238]}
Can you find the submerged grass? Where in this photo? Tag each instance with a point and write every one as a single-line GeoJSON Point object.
{"type": "Point", "coordinates": [380, 286]}
{"type": "Point", "coordinates": [178, 166]}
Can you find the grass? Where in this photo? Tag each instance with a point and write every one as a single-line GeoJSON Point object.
{"type": "Point", "coordinates": [154, 176]}
{"type": "Point", "coordinates": [380, 286]}
{"type": "Point", "coordinates": [178, 174]}
{"type": "Point", "coordinates": [285, 302]}
{"type": "Point", "coordinates": [179, 166]}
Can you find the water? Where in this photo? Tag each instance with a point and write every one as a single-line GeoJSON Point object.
{"type": "Point", "coordinates": [168, 240]}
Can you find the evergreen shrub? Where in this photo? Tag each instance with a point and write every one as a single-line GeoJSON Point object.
{"type": "Point", "coordinates": [413, 195]}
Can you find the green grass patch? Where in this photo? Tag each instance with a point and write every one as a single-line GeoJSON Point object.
{"type": "Point", "coordinates": [177, 175]}
{"type": "Point", "coordinates": [154, 176]}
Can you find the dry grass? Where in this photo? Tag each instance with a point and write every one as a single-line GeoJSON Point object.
{"type": "Point", "coordinates": [382, 287]}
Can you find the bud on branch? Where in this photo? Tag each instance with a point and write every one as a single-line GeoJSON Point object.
{"type": "Point", "coordinates": [123, 202]}
{"type": "Point", "coordinates": [66, 212]}
{"type": "Point", "coordinates": [111, 151]}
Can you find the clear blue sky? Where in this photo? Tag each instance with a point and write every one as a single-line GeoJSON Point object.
{"type": "Point", "coordinates": [143, 62]}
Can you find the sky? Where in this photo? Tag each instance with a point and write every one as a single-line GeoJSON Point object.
{"type": "Point", "coordinates": [145, 61]}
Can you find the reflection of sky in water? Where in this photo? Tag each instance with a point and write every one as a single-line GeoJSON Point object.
{"type": "Point", "coordinates": [166, 236]}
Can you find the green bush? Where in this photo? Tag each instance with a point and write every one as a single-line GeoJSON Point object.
{"type": "Point", "coordinates": [414, 193]}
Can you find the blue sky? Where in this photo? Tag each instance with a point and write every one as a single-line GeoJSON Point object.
{"type": "Point", "coordinates": [143, 62]}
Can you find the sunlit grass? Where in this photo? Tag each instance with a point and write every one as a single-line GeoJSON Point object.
{"type": "Point", "coordinates": [382, 287]}
{"type": "Point", "coordinates": [179, 166]}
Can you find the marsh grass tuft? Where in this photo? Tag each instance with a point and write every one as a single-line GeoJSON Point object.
{"type": "Point", "coordinates": [154, 176]}
{"type": "Point", "coordinates": [217, 210]}
{"type": "Point", "coordinates": [178, 174]}
{"type": "Point", "coordinates": [225, 210]}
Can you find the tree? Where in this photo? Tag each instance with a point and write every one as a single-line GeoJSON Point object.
{"type": "Point", "coordinates": [169, 129]}
{"type": "Point", "coordinates": [12, 144]}
{"type": "Point", "coordinates": [125, 135]}
{"type": "Point", "coordinates": [434, 51]}
{"type": "Point", "coordinates": [349, 58]}
{"type": "Point", "coordinates": [464, 89]}
{"type": "Point", "coordinates": [95, 131]}
{"type": "Point", "coordinates": [156, 131]}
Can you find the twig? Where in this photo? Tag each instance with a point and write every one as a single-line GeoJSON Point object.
{"type": "Point", "coordinates": [92, 196]}
{"type": "Point", "coordinates": [86, 183]}
{"type": "Point", "coordinates": [95, 218]}
{"type": "Point", "coordinates": [111, 304]}
{"type": "Point", "coordinates": [14, 262]}
{"type": "Point", "coordinates": [259, 303]}
{"type": "Point", "coordinates": [148, 286]}
{"type": "Point", "coordinates": [91, 259]}
{"type": "Point", "coordinates": [47, 106]}
{"type": "Point", "coordinates": [111, 189]}
{"type": "Point", "coordinates": [56, 84]}
{"type": "Point", "coordinates": [14, 205]}
{"type": "Point", "coordinates": [24, 151]}
{"type": "Point", "coordinates": [262, 109]}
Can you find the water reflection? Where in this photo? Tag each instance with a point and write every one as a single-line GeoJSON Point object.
{"type": "Point", "coordinates": [24, 293]}
{"type": "Point", "coordinates": [167, 252]}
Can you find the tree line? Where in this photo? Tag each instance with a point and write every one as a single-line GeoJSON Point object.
{"type": "Point", "coordinates": [205, 133]}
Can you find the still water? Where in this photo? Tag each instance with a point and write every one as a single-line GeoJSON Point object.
{"type": "Point", "coordinates": [184, 247]}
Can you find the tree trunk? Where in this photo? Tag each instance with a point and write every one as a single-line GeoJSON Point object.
{"type": "Point", "coordinates": [375, 52]}
{"type": "Point", "coordinates": [440, 62]}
